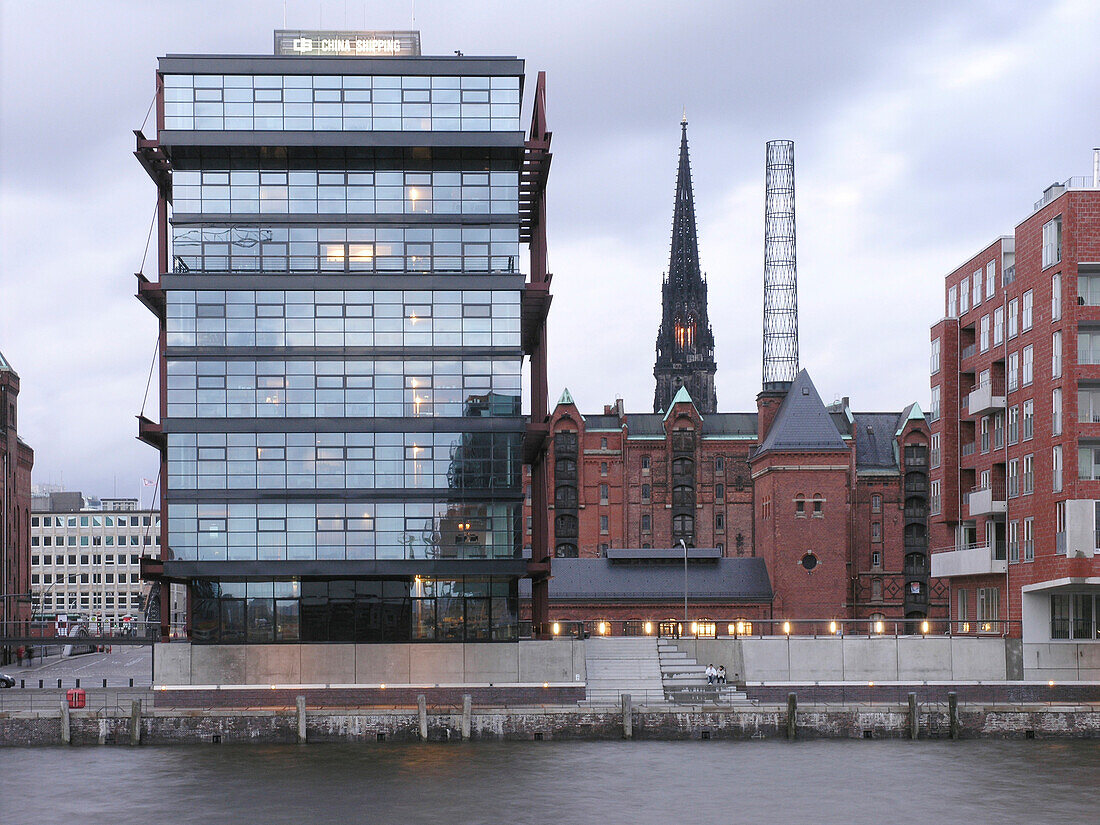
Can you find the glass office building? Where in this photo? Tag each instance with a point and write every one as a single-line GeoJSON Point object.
{"type": "Point", "coordinates": [340, 299]}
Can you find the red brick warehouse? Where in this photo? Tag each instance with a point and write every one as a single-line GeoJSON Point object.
{"type": "Point", "coordinates": [826, 506]}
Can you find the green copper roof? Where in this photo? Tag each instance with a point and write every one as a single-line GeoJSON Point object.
{"type": "Point", "coordinates": [4, 365]}
{"type": "Point", "coordinates": [566, 398]}
{"type": "Point", "coordinates": [913, 413]}
{"type": "Point", "coordinates": [682, 397]}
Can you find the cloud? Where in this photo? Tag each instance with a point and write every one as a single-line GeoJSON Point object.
{"type": "Point", "coordinates": [923, 131]}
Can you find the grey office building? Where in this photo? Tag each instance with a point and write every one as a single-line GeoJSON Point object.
{"type": "Point", "coordinates": [340, 292]}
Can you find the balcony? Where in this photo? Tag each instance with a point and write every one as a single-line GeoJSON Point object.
{"type": "Point", "coordinates": [975, 560]}
{"type": "Point", "coordinates": [982, 400]}
{"type": "Point", "coordinates": [987, 501]}
{"type": "Point", "coordinates": [969, 351]}
{"type": "Point", "coordinates": [1081, 537]}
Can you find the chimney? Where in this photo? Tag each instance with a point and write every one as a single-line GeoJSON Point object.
{"type": "Point", "coordinates": [767, 406]}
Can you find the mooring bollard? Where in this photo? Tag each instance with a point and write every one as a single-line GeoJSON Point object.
{"type": "Point", "coordinates": [300, 702]}
{"type": "Point", "coordinates": [422, 709]}
{"type": "Point", "coordinates": [135, 722]}
{"type": "Point", "coordinates": [914, 717]}
{"type": "Point", "coordinates": [66, 729]}
{"type": "Point", "coordinates": [467, 716]}
{"type": "Point", "coordinates": [628, 717]}
{"type": "Point", "coordinates": [792, 713]}
{"type": "Point", "coordinates": [953, 714]}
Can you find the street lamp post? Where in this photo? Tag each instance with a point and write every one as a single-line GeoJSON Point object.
{"type": "Point", "coordinates": [684, 545]}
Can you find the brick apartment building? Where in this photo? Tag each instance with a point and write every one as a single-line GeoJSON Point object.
{"type": "Point", "coordinates": [795, 511]}
{"type": "Point", "coordinates": [1015, 422]}
{"type": "Point", "coordinates": [16, 461]}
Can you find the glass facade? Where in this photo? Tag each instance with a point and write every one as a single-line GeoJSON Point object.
{"type": "Point", "coordinates": [348, 103]}
{"type": "Point", "coordinates": [426, 609]}
{"type": "Point", "coordinates": [404, 318]}
{"type": "Point", "coordinates": [343, 464]}
{"type": "Point", "coordinates": [336, 250]}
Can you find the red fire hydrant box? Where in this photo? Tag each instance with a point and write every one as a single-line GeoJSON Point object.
{"type": "Point", "coordinates": [77, 698]}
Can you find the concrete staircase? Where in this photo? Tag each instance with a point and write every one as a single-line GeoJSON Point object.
{"type": "Point", "coordinates": [685, 680]}
{"type": "Point", "coordinates": [623, 664]}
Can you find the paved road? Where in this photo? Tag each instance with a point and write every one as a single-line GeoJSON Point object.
{"type": "Point", "coordinates": [117, 667]}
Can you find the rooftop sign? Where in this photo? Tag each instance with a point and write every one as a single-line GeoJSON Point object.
{"type": "Point", "coordinates": [347, 43]}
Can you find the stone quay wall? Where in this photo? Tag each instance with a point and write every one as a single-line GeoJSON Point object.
{"type": "Point", "coordinates": [546, 723]}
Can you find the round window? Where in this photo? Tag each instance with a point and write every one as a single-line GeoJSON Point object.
{"type": "Point", "coordinates": [809, 561]}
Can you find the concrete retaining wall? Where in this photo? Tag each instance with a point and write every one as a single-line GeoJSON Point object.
{"type": "Point", "coordinates": [548, 723]}
{"type": "Point", "coordinates": [852, 659]}
{"type": "Point", "coordinates": [1062, 661]}
{"type": "Point", "coordinates": [181, 663]}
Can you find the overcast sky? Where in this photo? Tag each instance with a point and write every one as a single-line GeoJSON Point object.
{"type": "Point", "coordinates": [923, 130]}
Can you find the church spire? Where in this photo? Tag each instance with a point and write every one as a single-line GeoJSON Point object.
{"type": "Point", "coordinates": [685, 343]}
{"type": "Point", "coordinates": [683, 264]}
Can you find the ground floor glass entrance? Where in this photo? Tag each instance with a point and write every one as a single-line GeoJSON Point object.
{"type": "Point", "coordinates": [465, 608]}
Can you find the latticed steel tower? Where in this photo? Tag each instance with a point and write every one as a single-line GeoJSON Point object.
{"type": "Point", "coordinates": [685, 342]}
{"type": "Point", "coordinates": [780, 271]}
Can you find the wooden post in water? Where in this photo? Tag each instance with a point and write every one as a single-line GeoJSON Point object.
{"type": "Point", "coordinates": [135, 722]}
{"type": "Point", "coordinates": [300, 703]}
{"type": "Point", "coordinates": [66, 728]}
{"type": "Point", "coordinates": [467, 716]}
{"type": "Point", "coordinates": [422, 710]}
{"type": "Point", "coordinates": [914, 717]}
{"type": "Point", "coordinates": [792, 713]}
{"type": "Point", "coordinates": [628, 717]}
{"type": "Point", "coordinates": [953, 714]}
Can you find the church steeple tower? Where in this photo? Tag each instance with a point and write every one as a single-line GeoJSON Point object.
{"type": "Point", "coordinates": [685, 342]}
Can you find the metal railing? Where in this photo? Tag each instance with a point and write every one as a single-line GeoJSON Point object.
{"type": "Point", "coordinates": [969, 351]}
{"type": "Point", "coordinates": [84, 633]}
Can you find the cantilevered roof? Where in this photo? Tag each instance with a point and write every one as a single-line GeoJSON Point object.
{"type": "Point", "coordinates": [802, 423]}
{"type": "Point", "coordinates": [601, 580]}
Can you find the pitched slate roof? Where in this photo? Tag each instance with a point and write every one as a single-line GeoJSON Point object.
{"type": "Point", "coordinates": [725, 579]}
{"type": "Point", "coordinates": [875, 444]}
{"type": "Point", "coordinates": [649, 425]}
{"type": "Point", "coordinates": [802, 423]}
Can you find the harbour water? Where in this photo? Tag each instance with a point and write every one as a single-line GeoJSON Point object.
{"type": "Point", "coordinates": [664, 783]}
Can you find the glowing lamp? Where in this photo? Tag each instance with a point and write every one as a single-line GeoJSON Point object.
{"type": "Point", "coordinates": [832, 628]}
{"type": "Point", "coordinates": [924, 627]}
{"type": "Point", "coordinates": [648, 628]}
{"type": "Point", "coordinates": [556, 628]}
{"type": "Point", "coordinates": [786, 628]}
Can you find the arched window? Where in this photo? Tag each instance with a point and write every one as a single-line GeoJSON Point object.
{"type": "Point", "coordinates": [565, 468]}
{"type": "Point", "coordinates": [719, 465]}
{"type": "Point", "coordinates": [914, 534]}
{"type": "Point", "coordinates": [565, 525]}
{"type": "Point", "coordinates": [683, 525]}
{"type": "Point", "coordinates": [683, 496]}
{"type": "Point", "coordinates": [565, 496]}
{"type": "Point", "coordinates": [800, 506]}
{"type": "Point", "coordinates": [683, 467]}
{"type": "Point", "coordinates": [819, 506]}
